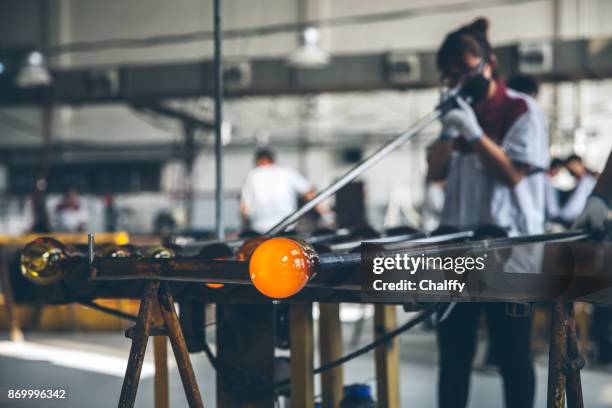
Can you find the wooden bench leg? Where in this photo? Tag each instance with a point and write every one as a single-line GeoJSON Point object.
{"type": "Point", "coordinates": [387, 358]}
{"type": "Point", "coordinates": [177, 340]}
{"type": "Point", "coordinates": [139, 334]}
{"type": "Point", "coordinates": [302, 355]}
{"type": "Point", "coordinates": [157, 294]}
{"type": "Point", "coordinates": [160, 358]}
{"type": "Point", "coordinates": [330, 349]}
{"type": "Point", "coordinates": [557, 357]}
{"type": "Point", "coordinates": [15, 332]}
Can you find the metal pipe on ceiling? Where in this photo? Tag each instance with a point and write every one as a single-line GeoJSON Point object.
{"type": "Point", "coordinates": [219, 227]}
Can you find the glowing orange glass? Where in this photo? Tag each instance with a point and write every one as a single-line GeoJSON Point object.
{"type": "Point", "coordinates": [281, 267]}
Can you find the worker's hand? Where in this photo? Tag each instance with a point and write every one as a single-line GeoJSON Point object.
{"type": "Point", "coordinates": [594, 215]}
{"type": "Point", "coordinates": [464, 119]}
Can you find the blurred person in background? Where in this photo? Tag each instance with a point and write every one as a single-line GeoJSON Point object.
{"type": "Point", "coordinates": [70, 213]}
{"type": "Point", "coordinates": [111, 213]}
{"type": "Point", "coordinates": [552, 194]}
{"type": "Point", "coordinates": [596, 212]}
{"type": "Point", "coordinates": [271, 192]}
{"type": "Point", "coordinates": [585, 182]}
{"type": "Point", "coordinates": [493, 156]}
{"type": "Point", "coordinates": [41, 222]}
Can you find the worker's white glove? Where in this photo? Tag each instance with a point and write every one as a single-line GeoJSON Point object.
{"type": "Point", "coordinates": [594, 215]}
{"type": "Point", "coordinates": [464, 119]}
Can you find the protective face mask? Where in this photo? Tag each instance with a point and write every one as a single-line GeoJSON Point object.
{"type": "Point", "coordinates": [477, 88]}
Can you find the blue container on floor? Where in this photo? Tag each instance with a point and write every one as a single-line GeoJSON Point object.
{"type": "Point", "coordinates": [357, 396]}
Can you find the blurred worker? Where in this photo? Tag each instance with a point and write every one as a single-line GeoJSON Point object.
{"type": "Point", "coordinates": [552, 194]}
{"type": "Point", "coordinates": [270, 193]}
{"type": "Point", "coordinates": [111, 213]}
{"type": "Point", "coordinates": [433, 202]}
{"type": "Point", "coordinates": [41, 222]}
{"type": "Point", "coordinates": [585, 182]}
{"type": "Point", "coordinates": [598, 205]}
{"type": "Point", "coordinates": [493, 157]}
{"type": "Point", "coordinates": [70, 213]}
{"type": "Point", "coordinates": [525, 84]}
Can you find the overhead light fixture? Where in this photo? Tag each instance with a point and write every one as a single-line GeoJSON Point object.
{"type": "Point", "coordinates": [34, 71]}
{"type": "Point", "coordinates": [309, 55]}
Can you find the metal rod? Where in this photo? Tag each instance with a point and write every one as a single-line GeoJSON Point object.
{"type": "Point", "coordinates": [331, 265]}
{"type": "Point", "coordinates": [219, 227]}
{"type": "Point", "coordinates": [356, 171]}
{"type": "Point", "coordinates": [339, 235]}
{"type": "Point", "coordinates": [418, 238]}
{"type": "Point", "coordinates": [90, 247]}
{"type": "Point", "coordinates": [189, 160]}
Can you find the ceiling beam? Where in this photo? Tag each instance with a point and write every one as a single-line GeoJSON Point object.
{"type": "Point", "coordinates": [569, 60]}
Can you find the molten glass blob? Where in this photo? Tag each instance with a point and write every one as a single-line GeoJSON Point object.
{"type": "Point", "coordinates": [41, 260]}
{"type": "Point", "coordinates": [248, 247]}
{"type": "Point", "coordinates": [280, 267]}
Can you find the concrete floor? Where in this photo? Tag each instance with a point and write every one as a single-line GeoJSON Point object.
{"type": "Point", "coordinates": [91, 366]}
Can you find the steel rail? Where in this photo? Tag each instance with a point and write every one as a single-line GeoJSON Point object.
{"type": "Point", "coordinates": [330, 266]}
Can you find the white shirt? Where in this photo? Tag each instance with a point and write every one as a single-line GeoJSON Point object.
{"type": "Point", "coordinates": [576, 202]}
{"type": "Point", "coordinates": [474, 196]}
{"type": "Point", "coordinates": [433, 203]}
{"type": "Point", "coordinates": [71, 218]}
{"type": "Point", "coordinates": [270, 193]}
{"type": "Point", "coordinates": [552, 200]}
